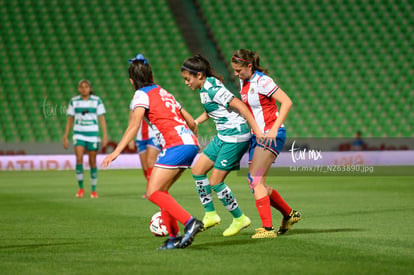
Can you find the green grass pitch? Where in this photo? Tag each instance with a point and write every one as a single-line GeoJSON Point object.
{"type": "Point", "coordinates": [350, 225]}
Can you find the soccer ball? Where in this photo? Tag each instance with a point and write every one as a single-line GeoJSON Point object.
{"type": "Point", "coordinates": [157, 225]}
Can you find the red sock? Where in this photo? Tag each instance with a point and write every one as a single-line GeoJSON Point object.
{"type": "Point", "coordinates": [279, 203]}
{"type": "Point", "coordinates": [170, 223]}
{"type": "Point", "coordinates": [169, 204]}
{"type": "Point", "coordinates": [148, 174]}
{"type": "Point", "coordinates": [263, 207]}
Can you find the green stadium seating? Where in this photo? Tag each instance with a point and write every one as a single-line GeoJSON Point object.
{"type": "Point", "coordinates": [347, 65]}
{"type": "Point", "coordinates": [49, 46]}
{"type": "Point", "coordinates": [350, 60]}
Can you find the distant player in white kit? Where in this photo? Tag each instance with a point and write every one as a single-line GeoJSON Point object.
{"type": "Point", "coordinates": [86, 111]}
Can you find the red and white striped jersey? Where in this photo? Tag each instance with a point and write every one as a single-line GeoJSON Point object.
{"type": "Point", "coordinates": [164, 117]}
{"type": "Point", "coordinates": [257, 94]}
{"type": "Point", "coordinates": [145, 132]}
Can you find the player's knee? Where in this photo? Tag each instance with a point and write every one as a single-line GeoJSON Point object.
{"type": "Point", "coordinates": [268, 189]}
{"type": "Point", "coordinates": [252, 182]}
{"type": "Point", "coordinates": [198, 170]}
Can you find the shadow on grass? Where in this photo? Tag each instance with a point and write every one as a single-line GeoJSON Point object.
{"type": "Point", "coordinates": [227, 242]}
{"type": "Point", "coordinates": [37, 245]}
{"type": "Point", "coordinates": [224, 242]}
{"type": "Point", "coordinates": [359, 212]}
{"type": "Point", "coordinates": [317, 231]}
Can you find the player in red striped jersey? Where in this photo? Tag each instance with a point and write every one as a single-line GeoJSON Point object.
{"type": "Point", "coordinates": [179, 147]}
{"type": "Point", "coordinates": [261, 93]}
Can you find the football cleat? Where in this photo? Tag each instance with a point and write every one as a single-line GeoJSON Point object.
{"type": "Point", "coordinates": [262, 233]}
{"type": "Point", "coordinates": [211, 219]}
{"type": "Point", "coordinates": [171, 243]}
{"type": "Point", "coordinates": [94, 195]}
{"type": "Point", "coordinates": [80, 193]}
{"type": "Point", "coordinates": [237, 225]}
{"type": "Point", "coordinates": [191, 230]}
{"type": "Point", "coordinates": [288, 221]}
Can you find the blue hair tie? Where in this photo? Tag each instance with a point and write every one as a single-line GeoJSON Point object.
{"type": "Point", "coordinates": [138, 57]}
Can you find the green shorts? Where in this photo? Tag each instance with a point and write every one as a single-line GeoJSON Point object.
{"type": "Point", "coordinates": [90, 146]}
{"type": "Point", "coordinates": [225, 155]}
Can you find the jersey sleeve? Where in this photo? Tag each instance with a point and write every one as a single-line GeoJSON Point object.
{"type": "Point", "coordinates": [221, 95]}
{"type": "Point", "coordinates": [178, 103]}
{"type": "Point", "coordinates": [100, 110]}
{"type": "Point", "coordinates": [70, 111]}
{"type": "Point", "coordinates": [267, 86]}
{"type": "Point", "coordinates": [140, 100]}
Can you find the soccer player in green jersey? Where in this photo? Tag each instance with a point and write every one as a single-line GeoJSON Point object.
{"type": "Point", "coordinates": [86, 112]}
{"type": "Point", "coordinates": [223, 153]}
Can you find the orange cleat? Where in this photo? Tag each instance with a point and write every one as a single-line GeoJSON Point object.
{"type": "Point", "coordinates": [80, 193]}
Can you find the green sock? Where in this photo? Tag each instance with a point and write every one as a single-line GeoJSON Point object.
{"type": "Point", "coordinates": [79, 175]}
{"type": "Point", "coordinates": [204, 192]}
{"type": "Point", "coordinates": [94, 178]}
{"type": "Point", "coordinates": [228, 199]}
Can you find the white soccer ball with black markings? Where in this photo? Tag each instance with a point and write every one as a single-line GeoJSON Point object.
{"type": "Point", "coordinates": [157, 225]}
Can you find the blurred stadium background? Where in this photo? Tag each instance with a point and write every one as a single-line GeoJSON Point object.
{"type": "Point", "coordinates": [347, 65]}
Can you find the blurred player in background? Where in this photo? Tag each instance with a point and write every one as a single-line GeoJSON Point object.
{"type": "Point", "coordinates": [179, 147]}
{"type": "Point", "coordinates": [261, 93]}
{"type": "Point", "coordinates": [225, 150]}
{"type": "Point", "coordinates": [358, 144]}
{"type": "Point", "coordinates": [86, 111]}
{"type": "Point", "coordinates": [148, 149]}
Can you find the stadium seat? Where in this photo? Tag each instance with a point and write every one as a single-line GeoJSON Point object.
{"type": "Point", "coordinates": [345, 64]}
{"type": "Point", "coordinates": [344, 42]}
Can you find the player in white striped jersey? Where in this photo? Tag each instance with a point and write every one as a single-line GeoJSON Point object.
{"type": "Point", "coordinates": [86, 112]}
{"type": "Point", "coordinates": [261, 93]}
{"type": "Point", "coordinates": [225, 150]}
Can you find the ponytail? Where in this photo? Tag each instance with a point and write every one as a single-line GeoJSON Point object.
{"type": "Point", "coordinates": [245, 57]}
{"type": "Point", "coordinates": [141, 74]}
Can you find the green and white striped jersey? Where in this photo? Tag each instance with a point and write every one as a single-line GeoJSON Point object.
{"type": "Point", "coordinates": [230, 124]}
{"type": "Point", "coordinates": [85, 113]}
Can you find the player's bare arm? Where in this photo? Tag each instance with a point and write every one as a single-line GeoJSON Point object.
{"type": "Point", "coordinates": [130, 133]}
